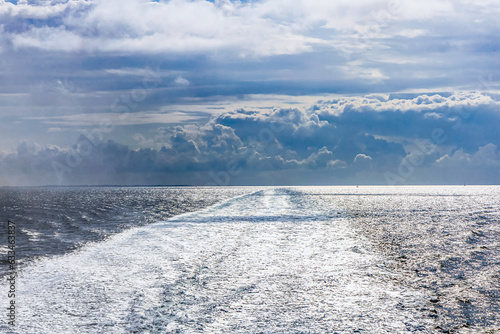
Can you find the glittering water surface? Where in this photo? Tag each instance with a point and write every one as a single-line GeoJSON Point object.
{"type": "Point", "coordinates": [284, 260]}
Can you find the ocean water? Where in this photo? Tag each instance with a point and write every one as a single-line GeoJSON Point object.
{"type": "Point", "coordinates": [274, 260]}
{"type": "Point", "coordinates": [57, 220]}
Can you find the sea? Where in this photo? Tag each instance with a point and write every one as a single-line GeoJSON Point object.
{"type": "Point", "coordinates": [333, 259]}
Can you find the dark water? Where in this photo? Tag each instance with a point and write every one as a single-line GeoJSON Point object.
{"type": "Point", "coordinates": [56, 220]}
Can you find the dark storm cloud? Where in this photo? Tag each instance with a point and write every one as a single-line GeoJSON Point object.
{"type": "Point", "coordinates": [347, 138]}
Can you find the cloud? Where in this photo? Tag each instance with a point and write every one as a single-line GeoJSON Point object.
{"type": "Point", "coordinates": [66, 63]}
{"type": "Point", "coordinates": [249, 29]}
{"type": "Point", "coordinates": [122, 119]}
{"type": "Point", "coordinates": [146, 26]}
{"type": "Point", "coordinates": [485, 157]}
{"type": "Point", "coordinates": [181, 81]}
{"type": "Point", "coordinates": [361, 159]}
{"type": "Point", "coordinates": [62, 58]}
{"type": "Point", "coordinates": [468, 119]}
{"type": "Point", "coordinates": [347, 140]}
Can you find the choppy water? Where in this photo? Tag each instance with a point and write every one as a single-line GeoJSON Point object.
{"type": "Point", "coordinates": [284, 260]}
{"type": "Point", "coordinates": [57, 220]}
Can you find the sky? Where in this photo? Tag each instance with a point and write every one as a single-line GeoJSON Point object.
{"type": "Point", "coordinates": [258, 92]}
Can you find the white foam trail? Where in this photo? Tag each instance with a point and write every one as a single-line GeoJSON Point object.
{"type": "Point", "coordinates": [259, 262]}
